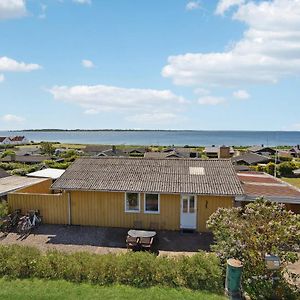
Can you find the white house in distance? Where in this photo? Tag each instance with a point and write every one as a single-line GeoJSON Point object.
{"type": "Point", "coordinates": [4, 140]}
{"type": "Point", "coordinates": [13, 140]}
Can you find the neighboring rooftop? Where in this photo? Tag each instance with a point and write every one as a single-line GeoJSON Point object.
{"type": "Point", "coordinates": [250, 158]}
{"type": "Point", "coordinates": [257, 184]}
{"type": "Point", "coordinates": [13, 183]}
{"type": "Point", "coordinates": [151, 175]}
{"type": "Point", "coordinates": [47, 173]}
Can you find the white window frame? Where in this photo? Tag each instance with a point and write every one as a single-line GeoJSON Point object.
{"type": "Point", "coordinates": [139, 201]}
{"type": "Point", "coordinates": [150, 211]}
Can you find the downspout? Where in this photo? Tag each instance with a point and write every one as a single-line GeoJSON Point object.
{"type": "Point", "coordinates": [69, 208]}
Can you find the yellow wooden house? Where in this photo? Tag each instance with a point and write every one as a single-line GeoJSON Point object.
{"type": "Point", "coordinates": [168, 194]}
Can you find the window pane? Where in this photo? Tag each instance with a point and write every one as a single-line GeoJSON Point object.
{"type": "Point", "coordinates": [192, 204]}
{"type": "Point", "coordinates": [132, 201]}
{"type": "Point", "coordinates": [185, 205]}
{"type": "Point", "coordinates": [151, 203]}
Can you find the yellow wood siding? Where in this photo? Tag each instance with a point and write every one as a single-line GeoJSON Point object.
{"type": "Point", "coordinates": [108, 209]}
{"type": "Point", "coordinates": [38, 188]}
{"type": "Point", "coordinates": [207, 205]}
{"type": "Point", "coordinates": [53, 208]}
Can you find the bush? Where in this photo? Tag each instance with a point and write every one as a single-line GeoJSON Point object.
{"type": "Point", "coordinates": [140, 269]}
{"type": "Point", "coordinates": [248, 233]}
{"type": "Point", "coordinates": [285, 169]}
{"type": "Point", "coordinates": [3, 209]}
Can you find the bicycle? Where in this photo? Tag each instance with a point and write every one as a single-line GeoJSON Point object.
{"type": "Point", "coordinates": [27, 223]}
{"type": "Point", "coordinates": [10, 221]}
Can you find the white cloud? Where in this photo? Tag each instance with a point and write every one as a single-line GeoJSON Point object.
{"type": "Point", "coordinates": [12, 118]}
{"type": "Point", "coordinates": [131, 102]}
{"type": "Point", "coordinates": [201, 92]}
{"type": "Point", "coordinates": [10, 65]}
{"type": "Point", "coordinates": [10, 9]}
{"type": "Point", "coordinates": [268, 51]}
{"type": "Point", "coordinates": [241, 94]}
{"type": "Point", "coordinates": [83, 1]}
{"type": "Point", "coordinates": [211, 100]}
{"type": "Point", "coordinates": [2, 78]}
{"type": "Point", "coordinates": [86, 63]}
{"type": "Point", "coordinates": [192, 5]}
{"type": "Point", "coordinates": [225, 5]}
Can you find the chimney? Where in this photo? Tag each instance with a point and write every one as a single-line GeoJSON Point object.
{"type": "Point", "coordinates": [224, 152]}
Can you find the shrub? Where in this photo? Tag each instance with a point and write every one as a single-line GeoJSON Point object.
{"type": "Point", "coordinates": [249, 233]}
{"type": "Point", "coordinates": [285, 169]}
{"type": "Point", "coordinates": [140, 269]}
{"type": "Point", "coordinates": [3, 209]}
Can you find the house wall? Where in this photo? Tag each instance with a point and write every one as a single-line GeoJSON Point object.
{"type": "Point", "coordinates": [207, 205]}
{"type": "Point", "coordinates": [53, 208]}
{"type": "Point", "coordinates": [38, 188]}
{"type": "Point", "coordinates": [108, 209]}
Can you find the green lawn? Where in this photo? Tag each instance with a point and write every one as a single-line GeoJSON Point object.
{"type": "Point", "coordinates": [292, 181]}
{"type": "Point", "coordinates": [41, 290]}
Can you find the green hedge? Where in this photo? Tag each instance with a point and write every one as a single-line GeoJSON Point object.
{"type": "Point", "coordinates": [140, 269]}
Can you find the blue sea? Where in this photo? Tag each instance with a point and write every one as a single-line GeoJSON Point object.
{"type": "Point", "coordinates": [173, 137]}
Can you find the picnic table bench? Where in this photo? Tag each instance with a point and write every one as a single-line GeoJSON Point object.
{"type": "Point", "coordinates": [137, 239]}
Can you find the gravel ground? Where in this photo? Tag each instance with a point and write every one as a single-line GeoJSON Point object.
{"type": "Point", "coordinates": [104, 240]}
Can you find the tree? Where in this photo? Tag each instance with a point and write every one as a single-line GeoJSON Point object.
{"type": "Point", "coordinates": [8, 153]}
{"type": "Point", "coordinates": [47, 148]}
{"type": "Point", "coordinates": [248, 234]}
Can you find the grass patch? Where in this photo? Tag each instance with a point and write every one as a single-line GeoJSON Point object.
{"type": "Point", "coordinates": [60, 289]}
{"type": "Point", "coordinates": [292, 181]}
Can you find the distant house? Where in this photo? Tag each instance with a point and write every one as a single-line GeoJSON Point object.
{"type": "Point", "coordinates": [218, 152]}
{"type": "Point", "coordinates": [250, 159]}
{"type": "Point", "coordinates": [135, 151]}
{"type": "Point", "coordinates": [258, 184]}
{"type": "Point", "coordinates": [111, 152]}
{"type": "Point", "coordinates": [19, 140]}
{"type": "Point", "coordinates": [295, 151]}
{"type": "Point", "coordinates": [261, 150]}
{"type": "Point", "coordinates": [182, 152]}
{"type": "Point", "coordinates": [95, 149]}
{"type": "Point", "coordinates": [4, 140]}
{"type": "Point", "coordinates": [297, 172]}
{"type": "Point", "coordinates": [171, 154]}
{"type": "Point", "coordinates": [170, 194]}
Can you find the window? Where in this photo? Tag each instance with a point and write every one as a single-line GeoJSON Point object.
{"type": "Point", "coordinates": [152, 203]}
{"type": "Point", "coordinates": [132, 202]}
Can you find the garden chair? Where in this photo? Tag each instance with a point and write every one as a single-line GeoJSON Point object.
{"type": "Point", "coordinates": [132, 242]}
{"type": "Point", "coordinates": [146, 242]}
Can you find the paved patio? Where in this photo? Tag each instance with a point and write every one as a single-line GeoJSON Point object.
{"type": "Point", "coordinates": [105, 240]}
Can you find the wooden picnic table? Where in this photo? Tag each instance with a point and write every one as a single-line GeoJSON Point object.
{"type": "Point", "coordinates": [141, 233]}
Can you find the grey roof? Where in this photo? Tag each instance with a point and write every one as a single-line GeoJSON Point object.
{"type": "Point", "coordinates": [3, 173]}
{"type": "Point", "coordinates": [171, 154]}
{"type": "Point", "coordinates": [261, 149]}
{"type": "Point", "coordinates": [250, 158]}
{"type": "Point", "coordinates": [96, 148]}
{"type": "Point", "coordinates": [151, 175]}
{"type": "Point", "coordinates": [13, 183]}
{"type": "Point", "coordinates": [112, 152]}
{"type": "Point", "coordinates": [295, 149]}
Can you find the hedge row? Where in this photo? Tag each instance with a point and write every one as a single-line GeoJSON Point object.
{"type": "Point", "coordinates": [140, 269]}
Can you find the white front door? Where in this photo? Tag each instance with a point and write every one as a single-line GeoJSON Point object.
{"type": "Point", "coordinates": [188, 216]}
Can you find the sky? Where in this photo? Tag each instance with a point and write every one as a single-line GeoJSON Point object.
{"type": "Point", "coordinates": [141, 64]}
